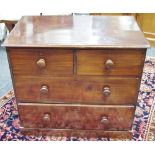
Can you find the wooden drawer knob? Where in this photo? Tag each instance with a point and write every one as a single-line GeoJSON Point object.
{"type": "Point", "coordinates": [46, 118]}
{"type": "Point", "coordinates": [41, 63]}
{"type": "Point", "coordinates": [104, 120]}
{"type": "Point", "coordinates": [44, 90]}
{"type": "Point", "coordinates": [106, 91]}
{"type": "Point", "coordinates": [109, 64]}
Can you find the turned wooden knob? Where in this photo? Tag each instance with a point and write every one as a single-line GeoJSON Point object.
{"type": "Point", "coordinates": [104, 120]}
{"type": "Point", "coordinates": [41, 63]}
{"type": "Point", "coordinates": [106, 91]}
{"type": "Point", "coordinates": [46, 117]}
{"type": "Point", "coordinates": [44, 90]}
{"type": "Point", "coordinates": [109, 64]}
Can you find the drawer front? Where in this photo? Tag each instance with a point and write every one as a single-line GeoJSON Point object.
{"type": "Point", "coordinates": [88, 90]}
{"type": "Point", "coordinates": [110, 62]}
{"type": "Point", "coordinates": [41, 62]}
{"type": "Point", "coordinates": [76, 116]}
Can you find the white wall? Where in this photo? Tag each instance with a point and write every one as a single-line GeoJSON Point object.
{"type": "Point", "coordinates": [14, 9]}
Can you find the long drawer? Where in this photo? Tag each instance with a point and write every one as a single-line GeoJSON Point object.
{"type": "Point", "coordinates": [41, 61]}
{"type": "Point", "coordinates": [124, 62]}
{"type": "Point", "coordinates": [91, 90]}
{"type": "Point", "coordinates": [62, 116]}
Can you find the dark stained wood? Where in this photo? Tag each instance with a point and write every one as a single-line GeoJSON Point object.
{"type": "Point", "coordinates": [9, 23]}
{"type": "Point", "coordinates": [127, 62]}
{"type": "Point", "coordinates": [76, 75]}
{"type": "Point", "coordinates": [110, 135]}
{"type": "Point", "coordinates": [24, 61]}
{"type": "Point", "coordinates": [89, 90]}
{"type": "Point", "coordinates": [64, 116]}
{"type": "Point", "coordinates": [77, 32]}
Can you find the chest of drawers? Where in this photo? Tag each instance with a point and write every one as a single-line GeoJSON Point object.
{"type": "Point", "coordinates": [76, 75]}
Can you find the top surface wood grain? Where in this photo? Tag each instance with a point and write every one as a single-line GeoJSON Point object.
{"type": "Point", "coordinates": [77, 31]}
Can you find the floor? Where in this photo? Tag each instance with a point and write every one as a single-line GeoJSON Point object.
{"type": "Point", "coordinates": [5, 78]}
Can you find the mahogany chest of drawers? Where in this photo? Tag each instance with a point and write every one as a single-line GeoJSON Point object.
{"type": "Point", "coordinates": [76, 75]}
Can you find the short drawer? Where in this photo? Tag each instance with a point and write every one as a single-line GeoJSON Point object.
{"type": "Point", "coordinates": [41, 62]}
{"type": "Point", "coordinates": [110, 62]}
{"type": "Point", "coordinates": [88, 90]}
{"type": "Point", "coordinates": [61, 116]}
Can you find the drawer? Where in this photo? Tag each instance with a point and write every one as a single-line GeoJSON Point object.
{"type": "Point", "coordinates": [39, 62]}
{"type": "Point", "coordinates": [110, 62]}
{"type": "Point", "coordinates": [62, 116]}
{"type": "Point", "coordinates": [88, 90]}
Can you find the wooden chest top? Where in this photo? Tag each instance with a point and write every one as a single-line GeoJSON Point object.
{"type": "Point", "coordinates": [77, 31]}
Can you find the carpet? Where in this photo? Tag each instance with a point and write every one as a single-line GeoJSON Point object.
{"type": "Point", "coordinates": [150, 130]}
{"type": "Point", "coordinates": [145, 101]}
{"type": "Point", "coordinates": [142, 126]}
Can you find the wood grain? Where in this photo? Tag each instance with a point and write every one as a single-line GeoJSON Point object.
{"type": "Point", "coordinates": [146, 22]}
{"type": "Point", "coordinates": [24, 61]}
{"type": "Point", "coordinates": [126, 62]}
{"type": "Point", "coordinates": [62, 85]}
{"type": "Point", "coordinates": [77, 32]}
{"type": "Point", "coordinates": [87, 90]}
{"type": "Point", "coordinates": [76, 116]}
{"type": "Point", "coordinates": [110, 135]}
